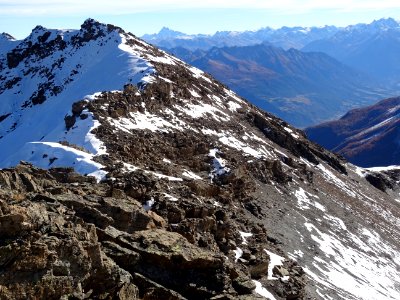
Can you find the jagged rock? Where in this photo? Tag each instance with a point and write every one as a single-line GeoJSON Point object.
{"type": "Point", "coordinates": [69, 121]}
{"type": "Point", "coordinates": [259, 266]}
{"type": "Point", "coordinates": [78, 107]}
{"type": "Point", "coordinates": [157, 255]}
{"type": "Point", "coordinates": [280, 271]}
{"type": "Point", "coordinates": [42, 266]}
{"type": "Point", "coordinates": [155, 290]}
{"type": "Point", "coordinates": [122, 256]}
{"type": "Point", "coordinates": [169, 259]}
{"type": "Point", "coordinates": [158, 220]}
{"type": "Point", "coordinates": [379, 181]}
{"type": "Point", "coordinates": [243, 285]}
{"type": "Point", "coordinates": [13, 224]}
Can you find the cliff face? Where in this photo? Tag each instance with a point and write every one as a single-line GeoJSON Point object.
{"type": "Point", "coordinates": [196, 193]}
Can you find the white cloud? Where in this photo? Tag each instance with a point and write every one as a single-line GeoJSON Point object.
{"type": "Point", "coordinates": [73, 7]}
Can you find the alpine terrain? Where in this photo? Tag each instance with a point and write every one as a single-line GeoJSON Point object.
{"type": "Point", "coordinates": [302, 88]}
{"type": "Point", "coordinates": [128, 174]}
{"type": "Point", "coordinates": [366, 136]}
{"type": "Point", "coordinates": [285, 37]}
{"type": "Point", "coordinates": [372, 48]}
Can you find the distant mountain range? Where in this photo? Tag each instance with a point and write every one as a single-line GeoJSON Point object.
{"type": "Point", "coordinates": [285, 37]}
{"type": "Point", "coordinates": [302, 88]}
{"type": "Point", "coordinates": [373, 48]}
{"type": "Point", "coordinates": [367, 137]}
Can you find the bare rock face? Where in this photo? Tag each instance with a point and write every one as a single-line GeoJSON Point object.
{"type": "Point", "coordinates": [70, 238]}
{"type": "Point", "coordinates": [47, 252]}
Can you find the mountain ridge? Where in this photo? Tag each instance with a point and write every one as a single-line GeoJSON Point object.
{"type": "Point", "coordinates": [366, 136]}
{"type": "Point", "coordinates": [285, 37]}
{"type": "Point", "coordinates": [371, 48]}
{"type": "Point", "coordinates": [302, 88]}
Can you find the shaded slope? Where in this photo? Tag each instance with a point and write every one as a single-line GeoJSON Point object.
{"type": "Point", "coordinates": [367, 136]}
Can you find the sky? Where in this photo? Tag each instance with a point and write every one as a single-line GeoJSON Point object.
{"type": "Point", "coordinates": [19, 17]}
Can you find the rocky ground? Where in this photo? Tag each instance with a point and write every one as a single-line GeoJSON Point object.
{"type": "Point", "coordinates": [63, 236]}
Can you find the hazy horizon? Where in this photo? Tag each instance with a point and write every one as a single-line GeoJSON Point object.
{"type": "Point", "coordinates": [18, 18]}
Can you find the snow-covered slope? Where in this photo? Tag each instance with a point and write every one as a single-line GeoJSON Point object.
{"type": "Point", "coordinates": [45, 74]}
{"type": "Point", "coordinates": [227, 176]}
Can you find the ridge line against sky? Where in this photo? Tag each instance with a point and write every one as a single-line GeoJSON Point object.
{"type": "Point", "coordinates": [18, 17]}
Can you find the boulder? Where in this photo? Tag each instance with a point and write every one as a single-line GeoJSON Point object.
{"type": "Point", "coordinates": [280, 271]}
{"type": "Point", "coordinates": [244, 285]}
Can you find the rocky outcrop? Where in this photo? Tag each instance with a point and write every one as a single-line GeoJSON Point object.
{"type": "Point", "coordinates": [47, 252]}
{"type": "Point", "coordinates": [66, 237]}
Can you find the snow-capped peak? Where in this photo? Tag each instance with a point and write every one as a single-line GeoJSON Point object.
{"type": "Point", "coordinates": [7, 41]}
{"type": "Point", "coordinates": [44, 74]}
{"type": "Point", "coordinates": [388, 23]}
{"type": "Point", "coordinates": [6, 37]}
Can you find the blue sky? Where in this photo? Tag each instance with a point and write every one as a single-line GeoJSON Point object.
{"type": "Point", "coordinates": [18, 17]}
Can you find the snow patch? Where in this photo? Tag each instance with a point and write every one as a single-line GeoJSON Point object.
{"type": "Point", "coordinates": [168, 60]}
{"type": "Point", "coordinates": [370, 129]}
{"type": "Point", "coordinates": [238, 253]}
{"type": "Point", "coordinates": [233, 106]}
{"type": "Point", "coordinates": [382, 169]}
{"type": "Point", "coordinates": [244, 236]}
{"type": "Point", "coordinates": [305, 202]}
{"type": "Point", "coordinates": [393, 109]}
{"type": "Point", "coordinates": [229, 140]}
{"type": "Point", "coordinates": [149, 204]}
{"type": "Point", "coordinates": [130, 168]}
{"type": "Point", "coordinates": [80, 75]}
{"type": "Point", "coordinates": [219, 165]}
{"type": "Point", "coordinates": [292, 133]}
{"type": "Point", "coordinates": [167, 161]}
{"type": "Point", "coordinates": [298, 253]}
{"type": "Point", "coordinates": [199, 74]}
{"type": "Point", "coordinates": [191, 175]}
{"type": "Point", "coordinates": [359, 171]}
{"type": "Point", "coordinates": [200, 110]}
{"type": "Point", "coordinates": [49, 154]}
{"type": "Point", "coordinates": [170, 197]}
{"type": "Point", "coordinates": [275, 260]}
{"type": "Point", "coordinates": [162, 176]}
{"type": "Point", "coordinates": [262, 291]}
{"type": "Point", "coordinates": [194, 94]}
{"type": "Point", "coordinates": [217, 204]}
{"type": "Point", "coordinates": [141, 121]}
{"type": "Point", "coordinates": [328, 175]}
{"type": "Point", "coordinates": [367, 269]}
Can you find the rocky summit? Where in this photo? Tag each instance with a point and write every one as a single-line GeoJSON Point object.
{"type": "Point", "coordinates": [128, 174]}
